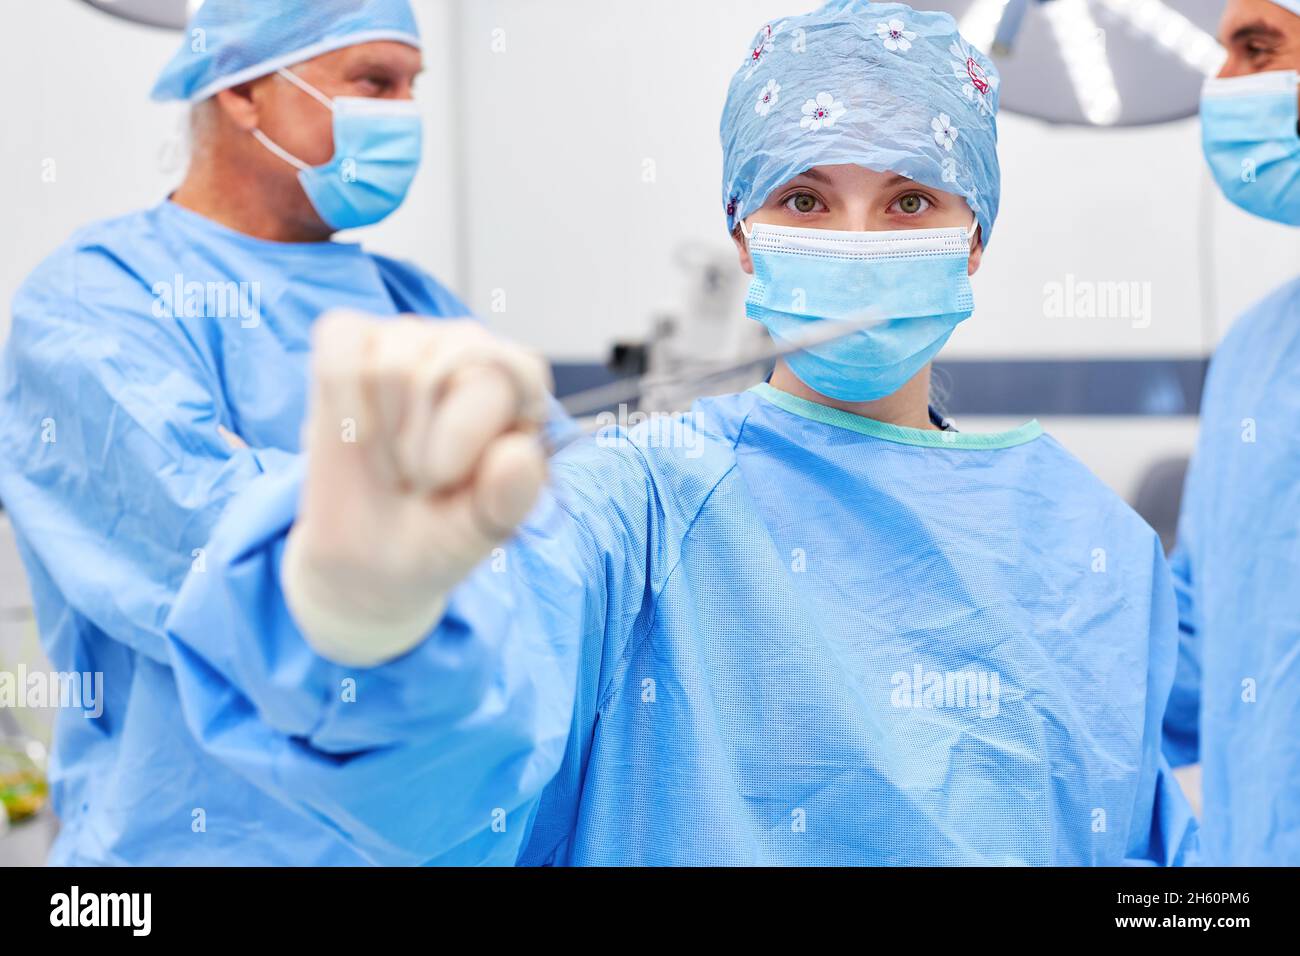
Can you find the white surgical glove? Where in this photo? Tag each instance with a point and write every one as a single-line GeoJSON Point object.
{"type": "Point", "coordinates": [422, 456]}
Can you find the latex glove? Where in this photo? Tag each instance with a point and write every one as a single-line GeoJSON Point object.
{"type": "Point", "coordinates": [422, 456]}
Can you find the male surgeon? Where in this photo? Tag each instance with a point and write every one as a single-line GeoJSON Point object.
{"type": "Point", "coordinates": [1236, 700]}
{"type": "Point", "coordinates": [158, 363]}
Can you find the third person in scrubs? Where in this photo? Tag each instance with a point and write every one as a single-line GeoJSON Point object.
{"type": "Point", "coordinates": [1236, 702]}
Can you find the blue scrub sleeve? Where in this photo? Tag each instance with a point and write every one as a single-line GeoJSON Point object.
{"type": "Point", "coordinates": [442, 754]}
{"type": "Point", "coordinates": [1182, 719]}
{"type": "Point", "coordinates": [1164, 831]}
{"type": "Point", "coordinates": [1182, 725]}
{"type": "Point", "coordinates": [114, 470]}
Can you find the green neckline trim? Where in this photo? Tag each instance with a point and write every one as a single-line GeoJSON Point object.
{"type": "Point", "coordinates": [896, 433]}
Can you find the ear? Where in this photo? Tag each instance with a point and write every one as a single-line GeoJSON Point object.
{"type": "Point", "coordinates": [976, 253]}
{"type": "Point", "coordinates": [239, 105]}
{"type": "Point", "coordinates": [746, 263]}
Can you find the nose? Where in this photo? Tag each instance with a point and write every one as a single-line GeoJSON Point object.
{"type": "Point", "coordinates": [405, 82]}
{"type": "Point", "coordinates": [858, 218]}
{"type": "Point", "coordinates": [1234, 65]}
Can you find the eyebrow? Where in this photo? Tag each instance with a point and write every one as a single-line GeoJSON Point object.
{"type": "Point", "coordinates": [381, 65]}
{"type": "Point", "coordinates": [1256, 30]}
{"type": "Point", "coordinates": [816, 174]}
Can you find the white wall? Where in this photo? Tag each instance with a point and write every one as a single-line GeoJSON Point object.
{"type": "Point", "coordinates": [1119, 205]}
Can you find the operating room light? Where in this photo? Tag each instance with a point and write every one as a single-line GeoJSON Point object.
{"type": "Point", "coordinates": [1095, 62]}
{"type": "Point", "coordinates": [1083, 45]}
{"type": "Point", "coordinates": [1171, 30]}
{"type": "Point", "coordinates": [170, 14]}
{"type": "Point", "coordinates": [980, 24]}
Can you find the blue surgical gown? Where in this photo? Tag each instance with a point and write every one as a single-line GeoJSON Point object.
{"type": "Point", "coordinates": [114, 473]}
{"type": "Point", "coordinates": [1236, 700]}
{"type": "Point", "coordinates": [765, 632]}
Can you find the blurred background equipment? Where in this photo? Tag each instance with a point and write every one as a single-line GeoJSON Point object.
{"type": "Point", "coordinates": [711, 327]}
{"type": "Point", "coordinates": [1160, 496]}
{"type": "Point", "coordinates": [23, 791]}
{"type": "Point", "coordinates": [26, 824]}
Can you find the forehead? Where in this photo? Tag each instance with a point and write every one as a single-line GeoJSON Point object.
{"type": "Point", "coordinates": [850, 174]}
{"type": "Point", "coordinates": [1242, 18]}
{"type": "Point", "coordinates": [379, 55]}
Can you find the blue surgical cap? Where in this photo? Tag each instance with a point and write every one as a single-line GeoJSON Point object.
{"type": "Point", "coordinates": [229, 42]}
{"type": "Point", "coordinates": [879, 85]}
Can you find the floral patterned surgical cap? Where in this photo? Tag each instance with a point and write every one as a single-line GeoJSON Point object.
{"type": "Point", "coordinates": [879, 85]}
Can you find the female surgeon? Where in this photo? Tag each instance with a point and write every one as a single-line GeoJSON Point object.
{"type": "Point", "coordinates": [805, 624]}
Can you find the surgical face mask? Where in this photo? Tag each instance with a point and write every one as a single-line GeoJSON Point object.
{"type": "Point", "coordinates": [1250, 136]}
{"type": "Point", "coordinates": [916, 279]}
{"type": "Point", "coordinates": [377, 149]}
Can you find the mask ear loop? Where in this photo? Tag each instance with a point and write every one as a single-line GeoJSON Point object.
{"type": "Point", "coordinates": [280, 151]}
{"type": "Point", "coordinates": [307, 88]}
{"type": "Point", "coordinates": [747, 233]}
{"type": "Point", "coordinates": [274, 147]}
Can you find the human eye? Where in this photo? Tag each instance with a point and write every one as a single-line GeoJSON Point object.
{"type": "Point", "coordinates": [911, 204]}
{"type": "Point", "coordinates": [373, 85]}
{"type": "Point", "coordinates": [803, 203]}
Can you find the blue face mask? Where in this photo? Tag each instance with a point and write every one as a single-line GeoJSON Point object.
{"type": "Point", "coordinates": [1248, 131]}
{"type": "Point", "coordinates": [916, 278]}
{"type": "Point", "coordinates": [377, 149]}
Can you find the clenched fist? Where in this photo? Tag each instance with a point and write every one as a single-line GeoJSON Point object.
{"type": "Point", "coordinates": [422, 455]}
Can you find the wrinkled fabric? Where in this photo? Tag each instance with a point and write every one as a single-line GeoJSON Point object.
{"type": "Point", "coordinates": [766, 632]}
{"type": "Point", "coordinates": [1236, 700]}
{"type": "Point", "coordinates": [228, 42]}
{"type": "Point", "coordinates": [879, 85]}
{"type": "Point", "coordinates": [129, 349]}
